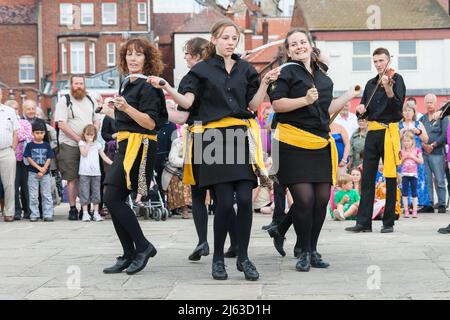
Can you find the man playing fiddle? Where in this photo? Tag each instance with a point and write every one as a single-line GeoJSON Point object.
{"type": "Point", "coordinates": [382, 104]}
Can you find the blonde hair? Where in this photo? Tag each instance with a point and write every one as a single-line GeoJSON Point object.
{"type": "Point", "coordinates": [216, 32]}
{"type": "Point", "coordinates": [89, 129]}
{"type": "Point", "coordinates": [12, 103]}
{"type": "Point", "coordinates": [344, 179]}
{"type": "Point", "coordinates": [406, 107]}
{"type": "Point", "coordinates": [408, 134]}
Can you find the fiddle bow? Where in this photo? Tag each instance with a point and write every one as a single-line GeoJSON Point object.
{"type": "Point", "coordinates": [387, 71]}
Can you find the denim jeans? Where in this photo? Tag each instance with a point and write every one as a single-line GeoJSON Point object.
{"type": "Point", "coordinates": [434, 165]}
{"type": "Point", "coordinates": [46, 194]}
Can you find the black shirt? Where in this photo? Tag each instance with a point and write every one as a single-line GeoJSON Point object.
{"type": "Point", "coordinates": [294, 82]}
{"type": "Point", "coordinates": [108, 128]}
{"type": "Point", "coordinates": [219, 94]}
{"type": "Point", "coordinates": [382, 108]}
{"type": "Point", "coordinates": [193, 110]}
{"type": "Point", "coordinates": [145, 98]}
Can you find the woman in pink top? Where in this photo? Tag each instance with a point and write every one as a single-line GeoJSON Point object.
{"type": "Point", "coordinates": [411, 157]}
{"type": "Point", "coordinates": [21, 184]}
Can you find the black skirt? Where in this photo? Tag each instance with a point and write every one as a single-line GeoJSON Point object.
{"type": "Point", "coordinates": [221, 156]}
{"type": "Point", "coordinates": [298, 165]}
{"type": "Point", "coordinates": [116, 174]}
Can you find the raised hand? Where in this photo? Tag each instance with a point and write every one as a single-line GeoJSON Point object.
{"type": "Point", "coordinates": [361, 108]}
{"type": "Point", "coordinates": [157, 82]}
{"type": "Point", "coordinates": [271, 76]}
{"type": "Point", "coordinates": [120, 103]}
{"type": "Point", "coordinates": [312, 95]}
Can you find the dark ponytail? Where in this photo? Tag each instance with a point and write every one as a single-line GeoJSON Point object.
{"type": "Point", "coordinates": [197, 47]}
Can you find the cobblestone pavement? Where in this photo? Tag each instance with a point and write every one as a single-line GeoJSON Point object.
{"type": "Point", "coordinates": [64, 260]}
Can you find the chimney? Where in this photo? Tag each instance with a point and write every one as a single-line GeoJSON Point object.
{"type": "Point", "coordinates": [265, 31]}
{"type": "Point", "coordinates": [248, 22]}
{"type": "Point", "coordinates": [230, 13]}
{"type": "Point", "coordinates": [248, 34]}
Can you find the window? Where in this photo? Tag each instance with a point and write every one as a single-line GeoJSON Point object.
{"type": "Point", "coordinates": [65, 14]}
{"type": "Point", "coordinates": [92, 57]}
{"type": "Point", "coordinates": [87, 13]}
{"type": "Point", "coordinates": [142, 13]}
{"type": "Point", "coordinates": [362, 60]}
{"type": "Point", "coordinates": [111, 54]}
{"type": "Point", "coordinates": [407, 55]}
{"type": "Point", "coordinates": [77, 58]}
{"type": "Point", "coordinates": [63, 58]}
{"type": "Point", "coordinates": [109, 13]}
{"type": "Point", "coordinates": [26, 69]}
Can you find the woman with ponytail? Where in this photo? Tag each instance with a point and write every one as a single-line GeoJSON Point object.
{"type": "Point", "coordinates": [195, 50]}
{"type": "Point", "coordinates": [226, 91]}
{"type": "Point", "coordinates": [302, 98]}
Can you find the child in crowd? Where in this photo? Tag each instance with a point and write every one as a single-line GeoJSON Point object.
{"type": "Point", "coordinates": [346, 199]}
{"type": "Point", "coordinates": [380, 199]}
{"type": "Point", "coordinates": [39, 155]}
{"type": "Point", "coordinates": [356, 179]}
{"type": "Point", "coordinates": [262, 197]}
{"type": "Point", "coordinates": [89, 171]}
{"type": "Point", "coordinates": [411, 157]}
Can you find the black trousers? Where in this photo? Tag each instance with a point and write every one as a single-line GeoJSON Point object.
{"type": "Point", "coordinates": [373, 150]}
{"type": "Point", "coordinates": [21, 184]}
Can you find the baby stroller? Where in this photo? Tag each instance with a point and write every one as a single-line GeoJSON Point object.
{"type": "Point", "coordinates": [154, 207]}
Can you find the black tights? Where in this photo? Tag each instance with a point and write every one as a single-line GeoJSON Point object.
{"type": "Point", "coordinates": [225, 211]}
{"type": "Point", "coordinates": [125, 222]}
{"type": "Point", "coordinates": [199, 213]}
{"type": "Point", "coordinates": [286, 223]}
{"type": "Point", "coordinates": [309, 211]}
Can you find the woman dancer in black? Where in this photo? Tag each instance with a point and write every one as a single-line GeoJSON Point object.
{"type": "Point", "coordinates": [302, 97]}
{"type": "Point", "coordinates": [139, 112]}
{"type": "Point", "coordinates": [224, 88]}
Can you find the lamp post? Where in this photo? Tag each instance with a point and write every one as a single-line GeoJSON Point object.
{"type": "Point", "coordinates": [23, 96]}
{"type": "Point", "coordinates": [11, 95]}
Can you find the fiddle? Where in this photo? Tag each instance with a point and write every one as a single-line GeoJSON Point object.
{"type": "Point", "coordinates": [389, 72]}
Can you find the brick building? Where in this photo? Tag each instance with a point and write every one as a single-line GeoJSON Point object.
{"type": "Point", "coordinates": [18, 47]}
{"type": "Point", "coordinates": [52, 40]}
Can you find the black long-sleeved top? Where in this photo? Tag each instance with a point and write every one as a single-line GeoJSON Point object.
{"type": "Point", "coordinates": [145, 98]}
{"type": "Point", "coordinates": [294, 82]}
{"type": "Point", "coordinates": [108, 129]}
{"type": "Point", "coordinates": [219, 94]}
{"type": "Point", "coordinates": [382, 108]}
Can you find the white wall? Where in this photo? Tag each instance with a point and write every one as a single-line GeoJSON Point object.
{"type": "Point", "coordinates": [287, 6]}
{"type": "Point", "coordinates": [433, 65]}
{"type": "Point", "coordinates": [176, 6]}
{"type": "Point", "coordinates": [180, 68]}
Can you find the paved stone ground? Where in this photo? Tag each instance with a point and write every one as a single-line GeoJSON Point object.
{"type": "Point", "coordinates": [64, 260]}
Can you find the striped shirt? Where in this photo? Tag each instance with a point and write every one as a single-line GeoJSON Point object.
{"type": "Point", "coordinates": [8, 124]}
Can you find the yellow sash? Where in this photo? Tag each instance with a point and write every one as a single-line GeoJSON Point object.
{"type": "Point", "coordinates": [391, 147]}
{"type": "Point", "coordinates": [188, 174]}
{"type": "Point", "coordinates": [134, 143]}
{"type": "Point", "coordinates": [306, 140]}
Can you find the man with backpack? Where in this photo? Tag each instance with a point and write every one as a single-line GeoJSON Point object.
{"type": "Point", "coordinates": [73, 112]}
